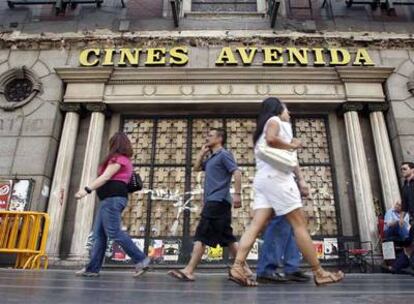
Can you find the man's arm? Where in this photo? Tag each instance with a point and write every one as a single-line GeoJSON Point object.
{"type": "Point", "coordinates": [198, 164]}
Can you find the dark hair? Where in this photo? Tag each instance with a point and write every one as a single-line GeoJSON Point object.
{"type": "Point", "coordinates": [119, 144]}
{"type": "Point", "coordinates": [271, 106]}
{"type": "Point", "coordinates": [221, 133]}
{"type": "Point", "coordinates": [409, 164]}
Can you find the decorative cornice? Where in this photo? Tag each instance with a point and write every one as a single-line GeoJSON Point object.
{"type": "Point", "coordinates": [364, 74]}
{"type": "Point", "coordinates": [260, 75]}
{"type": "Point", "coordinates": [88, 75]}
{"type": "Point", "coordinates": [228, 75]}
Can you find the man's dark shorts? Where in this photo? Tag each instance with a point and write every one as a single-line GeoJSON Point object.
{"type": "Point", "coordinates": [214, 227]}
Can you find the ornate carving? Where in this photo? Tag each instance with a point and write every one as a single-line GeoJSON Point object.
{"type": "Point", "coordinates": [410, 85]}
{"type": "Point", "coordinates": [18, 87]}
{"type": "Point", "coordinates": [225, 89]}
{"type": "Point", "coordinates": [96, 107]}
{"type": "Point", "coordinates": [262, 89]}
{"type": "Point", "coordinates": [149, 90]}
{"type": "Point", "coordinates": [316, 168]}
{"type": "Point", "coordinates": [167, 167]}
{"type": "Point", "coordinates": [300, 89]}
{"type": "Point", "coordinates": [377, 107]}
{"type": "Point", "coordinates": [351, 107]}
{"type": "Point", "coordinates": [70, 107]}
{"type": "Point", "coordinates": [187, 89]}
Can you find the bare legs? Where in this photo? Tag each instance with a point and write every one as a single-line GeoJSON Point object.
{"type": "Point", "coordinates": [297, 219]}
{"type": "Point", "coordinates": [238, 272]}
{"type": "Point", "coordinates": [196, 256]}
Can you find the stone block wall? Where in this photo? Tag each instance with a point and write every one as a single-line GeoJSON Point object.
{"type": "Point", "coordinates": [29, 135]}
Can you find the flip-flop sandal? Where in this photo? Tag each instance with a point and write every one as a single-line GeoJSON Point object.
{"type": "Point", "coordinates": [179, 275]}
{"type": "Point", "coordinates": [241, 282]}
{"type": "Point", "coordinates": [141, 272]}
{"type": "Point", "coordinates": [329, 278]}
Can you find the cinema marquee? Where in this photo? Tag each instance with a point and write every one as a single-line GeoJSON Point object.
{"type": "Point", "coordinates": [227, 56]}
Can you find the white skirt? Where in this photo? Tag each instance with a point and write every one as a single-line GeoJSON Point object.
{"type": "Point", "coordinates": [277, 191]}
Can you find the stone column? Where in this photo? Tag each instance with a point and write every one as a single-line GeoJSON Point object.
{"type": "Point", "coordinates": [61, 178]}
{"type": "Point", "coordinates": [389, 180]}
{"type": "Point", "coordinates": [85, 207]}
{"type": "Point", "coordinates": [367, 220]}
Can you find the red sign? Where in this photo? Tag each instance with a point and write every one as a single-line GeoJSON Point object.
{"type": "Point", "coordinates": [5, 193]}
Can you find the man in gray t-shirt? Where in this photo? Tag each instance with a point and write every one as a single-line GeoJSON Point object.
{"type": "Point", "coordinates": [214, 227]}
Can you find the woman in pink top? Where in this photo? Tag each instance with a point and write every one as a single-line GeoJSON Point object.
{"type": "Point", "coordinates": [114, 175]}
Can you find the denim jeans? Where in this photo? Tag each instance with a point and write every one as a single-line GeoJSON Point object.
{"type": "Point", "coordinates": [108, 225]}
{"type": "Point", "coordinates": [279, 245]}
{"type": "Point", "coordinates": [396, 233]}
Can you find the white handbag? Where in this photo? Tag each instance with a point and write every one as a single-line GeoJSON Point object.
{"type": "Point", "coordinates": [284, 160]}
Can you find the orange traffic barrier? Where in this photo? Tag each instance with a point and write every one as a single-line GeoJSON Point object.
{"type": "Point", "coordinates": [25, 234]}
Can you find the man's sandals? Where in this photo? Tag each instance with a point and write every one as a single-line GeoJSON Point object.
{"type": "Point", "coordinates": [322, 277]}
{"type": "Point", "coordinates": [179, 275]}
{"type": "Point", "coordinates": [238, 275]}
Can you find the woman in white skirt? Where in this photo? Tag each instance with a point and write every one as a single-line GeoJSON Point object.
{"type": "Point", "coordinates": [278, 192]}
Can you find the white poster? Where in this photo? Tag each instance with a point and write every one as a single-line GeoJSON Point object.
{"type": "Point", "coordinates": [171, 251]}
{"type": "Point", "coordinates": [330, 248]}
{"type": "Point", "coordinates": [21, 195]}
{"type": "Point", "coordinates": [388, 250]}
{"type": "Point", "coordinates": [254, 252]}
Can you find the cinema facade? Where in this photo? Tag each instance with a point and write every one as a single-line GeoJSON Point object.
{"type": "Point", "coordinates": [352, 105]}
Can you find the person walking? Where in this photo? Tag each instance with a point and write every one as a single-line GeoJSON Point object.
{"type": "Point", "coordinates": [214, 227]}
{"type": "Point", "coordinates": [276, 191]}
{"type": "Point", "coordinates": [114, 175]}
{"type": "Point", "coordinates": [279, 248]}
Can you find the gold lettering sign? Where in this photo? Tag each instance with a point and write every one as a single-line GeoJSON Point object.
{"type": "Point", "coordinates": [227, 56]}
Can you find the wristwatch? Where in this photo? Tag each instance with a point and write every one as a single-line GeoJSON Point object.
{"type": "Point", "coordinates": [88, 190]}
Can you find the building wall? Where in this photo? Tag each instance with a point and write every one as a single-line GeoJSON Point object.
{"type": "Point", "coordinates": [31, 140]}
{"type": "Point", "coordinates": [30, 135]}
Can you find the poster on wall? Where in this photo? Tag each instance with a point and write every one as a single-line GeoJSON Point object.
{"type": "Point", "coordinates": [21, 195]}
{"type": "Point", "coordinates": [116, 255]}
{"type": "Point", "coordinates": [330, 248]}
{"type": "Point", "coordinates": [171, 250]}
{"type": "Point", "coordinates": [388, 250]}
{"type": "Point", "coordinates": [254, 252]}
{"type": "Point", "coordinates": [318, 245]}
{"type": "Point", "coordinates": [156, 250]}
{"type": "Point", "coordinates": [213, 254]}
{"type": "Point", "coordinates": [5, 193]}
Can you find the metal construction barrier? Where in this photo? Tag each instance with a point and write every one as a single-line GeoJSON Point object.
{"type": "Point", "coordinates": [25, 234]}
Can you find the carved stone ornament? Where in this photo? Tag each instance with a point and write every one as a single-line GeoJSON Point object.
{"type": "Point", "coordinates": [18, 87]}
{"type": "Point", "coordinates": [410, 85]}
{"type": "Point", "coordinates": [351, 107]}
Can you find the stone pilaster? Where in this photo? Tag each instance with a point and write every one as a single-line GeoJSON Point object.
{"type": "Point", "coordinates": [85, 208]}
{"type": "Point", "coordinates": [388, 175]}
{"type": "Point", "coordinates": [367, 220]}
{"type": "Point", "coordinates": [61, 178]}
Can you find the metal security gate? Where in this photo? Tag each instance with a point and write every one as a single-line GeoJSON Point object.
{"type": "Point", "coordinates": [164, 216]}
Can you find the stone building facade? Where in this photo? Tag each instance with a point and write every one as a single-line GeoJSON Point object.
{"type": "Point", "coordinates": [351, 95]}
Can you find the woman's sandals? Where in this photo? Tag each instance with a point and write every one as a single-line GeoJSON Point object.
{"type": "Point", "coordinates": [322, 277]}
{"type": "Point", "coordinates": [237, 274]}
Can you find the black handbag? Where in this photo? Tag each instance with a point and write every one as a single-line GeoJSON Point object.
{"type": "Point", "coordinates": [135, 184]}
